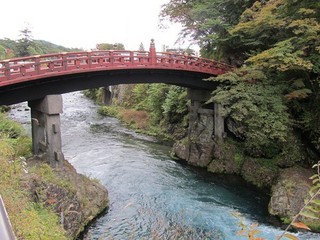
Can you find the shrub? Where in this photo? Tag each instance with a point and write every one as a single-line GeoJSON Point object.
{"type": "Point", "coordinates": [110, 111]}
{"type": "Point", "coordinates": [135, 118]}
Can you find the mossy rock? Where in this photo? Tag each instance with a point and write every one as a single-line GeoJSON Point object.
{"type": "Point", "coordinates": [260, 172]}
{"type": "Point", "coordinates": [227, 158]}
{"type": "Point", "coordinates": [288, 196]}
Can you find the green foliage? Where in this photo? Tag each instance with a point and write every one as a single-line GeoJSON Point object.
{"type": "Point", "coordinates": [111, 111]}
{"type": "Point", "coordinates": [277, 40]}
{"type": "Point", "coordinates": [175, 105]}
{"type": "Point", "coordinates": [156, 95]}
{"type": "Point", "coordinates": [257, 109]}
{"type": "Point", "coordinates": [312, 207]}
{"type": "Point", "coordinates": [26, 46]}
{"type": "Point", "coordinates": [94, 94]}
{"type": "Point", "coordinates": [24, 43]}
{"type": "Point", "coordinates": [139, 96]}
{"type": "Point", "coordinates": [288, 52]}
{"type": "Point", "coordinates": [208, 22]}
{"type": "Point", "coordinates": [10, 128]}
{"type": "Point", "coordinates": [155, 109]}
{"type": "Point", "coordinates": [2, 52]}
{"type": "Point", "coordinates": [14, 134]}
{"type": "Point", "coordinates": [29, 220]}
{"type": "Point", "coordinates": [110, 46]}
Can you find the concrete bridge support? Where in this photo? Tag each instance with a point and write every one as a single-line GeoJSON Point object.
{"type": "Point", "coordinates": [46, 133]}
{"type": "Point", "coordinates": [206, 130]}
{"type": "Point", "coordinates": [198, 98]}
{"type": "Point", "coordinates": [106, 97]}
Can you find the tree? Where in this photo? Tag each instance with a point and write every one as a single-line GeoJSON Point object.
{"type": "Point", "coordinates": [110, 46]}
{"type": "Point", "coordinates": [3, 52]}
{"type": "Point", "coordinates": [281, 38]}
{"type": "Point", "coordinates": [141, 47]}
{"type": "Point", "coordinates": [25, 43]}
{"type": "Point", "coordinates": [207, 22]}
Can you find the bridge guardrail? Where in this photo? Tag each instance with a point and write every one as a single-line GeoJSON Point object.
{"type": "Point", "coordinates": [27, 68]}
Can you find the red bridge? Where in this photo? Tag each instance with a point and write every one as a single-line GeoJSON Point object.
{"type": "Point", "coordinates": [29, 78]}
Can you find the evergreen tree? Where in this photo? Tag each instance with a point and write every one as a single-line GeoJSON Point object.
{"type": "Point", "coordinates": [141, 47]}
{"type": "Point", "coordinates": [25, 43]}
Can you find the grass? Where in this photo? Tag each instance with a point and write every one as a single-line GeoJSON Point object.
{"type": "Point", "coordinates": [29, 219]}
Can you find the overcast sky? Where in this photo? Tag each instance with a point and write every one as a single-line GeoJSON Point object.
{"type": "Point", "coordinates": [84, 23]}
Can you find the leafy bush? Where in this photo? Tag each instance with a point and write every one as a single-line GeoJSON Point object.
{"type": "Point", "coordinates": [155, 97]}
{"type": "Point", "coordinates": [10, 128]}
{"type": "Point", "coordinates": [110, 111]}
{"type": "Point", "coordinates": [135, 118]}
{"type": "Point", "coordinates": [257, 109]}
{"type": "Point", "coordinates": [175, 106]}
{"type": "Point", "coordinates": [92, 93]}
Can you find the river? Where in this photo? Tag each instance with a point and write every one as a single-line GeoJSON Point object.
{"type": "Point", "coordinates": [152, 196]}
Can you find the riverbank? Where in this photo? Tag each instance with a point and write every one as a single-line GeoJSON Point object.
{"type": "Point", "coordinates": [41, 201]}
{"type": "Point", "coordinates": [75, 198]}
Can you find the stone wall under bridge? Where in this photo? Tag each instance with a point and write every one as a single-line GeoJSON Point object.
{"type": "Point", "coordinates": [206, 129]}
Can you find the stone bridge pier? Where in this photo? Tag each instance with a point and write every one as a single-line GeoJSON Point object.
{"type": "Point", "coordinates": [106, 97]}
{"type": "Point", "coordinates": [46, 128]}
{"type": "Point", "coordinates": [206, 130]}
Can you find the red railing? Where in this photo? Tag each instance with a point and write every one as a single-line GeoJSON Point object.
{"type": "Point", "coordinates": [34, 67]}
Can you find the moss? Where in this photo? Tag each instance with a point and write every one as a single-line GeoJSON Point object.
{"type": "Point", "coordinates": [239, 158]}
{"type": "Point", "coordinates": [260, 172]}
{"type": "Point", "coordinates": [48, 175]}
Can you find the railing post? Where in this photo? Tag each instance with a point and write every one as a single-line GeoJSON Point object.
{"type": "Point", "coordinates": [111, 58]}
{"type": "Point", "coordinates": [89, 60]}
{"type": "Point", "coordinates": [131, 58]}
{"type": "Point", "coordinates": [152, 53]}
{"type": "Point", "coordinates": [23, 70]}
{"type": "Point", "coordinates": [37, 65]}
{"type": "Point", "coordinates": [7, 71]}
{"type": "Point", "coordinates": [64, 61]}
{"type": "Point", "coordinates": [171, 60]}
{"type": "Point", "coordinates": [77, 62]}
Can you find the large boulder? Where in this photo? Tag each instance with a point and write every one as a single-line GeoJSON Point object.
{"type": "Point", "coordinates": [289, 193]}
{"type": "Point", "coordinates": [179, 149]}
{"type": "Point", "coordinates": [198, 148]}
{"type": "Point", "coordinates": [201, 140]}
{"type": "Point", "coordinates": [226, 159]}
{"type": "Point", "coordinates": [260, 172]}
